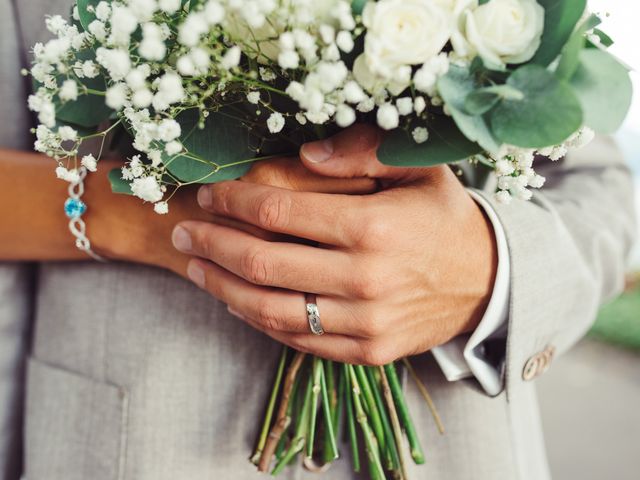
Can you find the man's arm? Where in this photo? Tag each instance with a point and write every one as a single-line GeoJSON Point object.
{"type": "Point", "coordinates": [568, 248]}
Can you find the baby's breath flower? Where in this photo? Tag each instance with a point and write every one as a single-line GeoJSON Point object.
{"type": "Point", "coordinates": [275, 122]}
{"type": "Point", "coordinates": [420, 134]}
{"type": "Point", "coordinates": [89, 162]}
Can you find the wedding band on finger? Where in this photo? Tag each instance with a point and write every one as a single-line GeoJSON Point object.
{"type": "Point", "coordinates": [313, 314]}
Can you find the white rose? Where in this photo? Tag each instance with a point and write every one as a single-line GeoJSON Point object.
{"type": "Point", "coordinates": [501, 31]}
{"type": "Point", "coordinates": [401, 33]}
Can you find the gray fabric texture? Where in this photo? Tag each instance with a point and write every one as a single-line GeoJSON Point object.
{"type": "Point", "coordinates": [15, 280]}
{"type": "Point", "coordinates": [137, 375]}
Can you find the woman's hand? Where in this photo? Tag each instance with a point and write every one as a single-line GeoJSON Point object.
{"type": "Point", "coordinates": [121, 227]}
{"type": "Point", "coordinates": [396, 272]}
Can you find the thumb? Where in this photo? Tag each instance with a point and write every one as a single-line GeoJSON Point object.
{"type": "Point", "coordinates": [353, 153]}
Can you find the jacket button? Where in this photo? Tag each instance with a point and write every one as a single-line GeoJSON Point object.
{"type": "Point", "coordinates": [538, 364]}
{"type": "Point", "coordinates": [531, 368]}
{"type": "Point", "coordinates": [548, 356]}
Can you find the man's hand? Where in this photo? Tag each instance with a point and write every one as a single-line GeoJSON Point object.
{"type": "Point", "coordinates": [396, 272]}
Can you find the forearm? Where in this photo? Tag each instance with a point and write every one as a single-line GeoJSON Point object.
{"type": "Point", "coordinates": [33, 226]}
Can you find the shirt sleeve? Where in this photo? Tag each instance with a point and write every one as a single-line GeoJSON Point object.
{"type": "Point", "coordinates": [481, 354]}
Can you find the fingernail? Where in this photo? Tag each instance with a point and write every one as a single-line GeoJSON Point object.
{"type": "Point", "coordinates": [181, 239]}
{"type": "Point", "coordinates": [317, 152]}
{"type": "Point", "coordinates": [196, 274]}
{"type": "Point", "coordinates": [204, 197]}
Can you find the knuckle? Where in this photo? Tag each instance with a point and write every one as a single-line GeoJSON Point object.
{"type": "Point", "coordinates": [367, 284]}
{"type": "Point", "coordinates": [375, 326]}
{"type": "Point", "coordinates": [374, 232]}
{"type": "Point", "coordinates": [267, 316]}
{"type": "Point", "coordinates": [377, 353]}
{"type": "Point", "coordinates": [274, 210]}
{"type": "Point", "coordinates": [256, 267]}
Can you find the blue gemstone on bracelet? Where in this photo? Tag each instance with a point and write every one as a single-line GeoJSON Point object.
{"type": "Point", "coordinates": [74, 208]}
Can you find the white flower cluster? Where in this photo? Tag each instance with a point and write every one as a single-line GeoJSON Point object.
{"type": "Point", "coordinates": [514, 166]}
{"type": "Point", "coordinates": [160, 58]}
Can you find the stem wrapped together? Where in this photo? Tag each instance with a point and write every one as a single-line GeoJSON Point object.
{"type": "Point", "coordinates": [313, 395]}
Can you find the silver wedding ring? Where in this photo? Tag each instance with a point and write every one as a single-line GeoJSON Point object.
{"type": "Point", "coordinates": [313, 315]}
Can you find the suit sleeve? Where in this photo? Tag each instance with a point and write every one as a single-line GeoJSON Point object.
{"type": "Point", "coordinates": [15, 279]}
{"type": "Point", "coordinates": [568, 249]}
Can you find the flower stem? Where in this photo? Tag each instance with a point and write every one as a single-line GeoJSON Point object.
{"type": "Point", "coordinates": [329, 431]}
{"type": "Point", "coordinates": [395, 421]}
{"type": "Point", "coordinates": [335, 401]}
{"type": "Point", "coordinates": [282, 419]}
{"type": "Point", "coordinates": [297, 444]}
{"type": "Point", "coordinates": [391, 440]}
{"type": "Point", "coordinates": [351, 424]}
{"type": "Point", "coordinates": [370, 403]}
{"type": "Point", "coordinates": [403, 412]}
{"type": "Point", "coordinates": [376, 470]}
{"type": "Point", "coordinates": [317, 389]}
{"type": "Point", "coordinates": [271, 407]}
{"type": "Point", "coordinates": [425, 394]}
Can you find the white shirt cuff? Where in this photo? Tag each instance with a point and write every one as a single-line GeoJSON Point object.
{"type": "Point", "coordinates": [464, 356]}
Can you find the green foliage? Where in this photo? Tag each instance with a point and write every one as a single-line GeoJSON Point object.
{"type": "Point", "coordinates": [118, 184]}
{"type": "Point", "coordinates": [214, 152]}
{"type": "Point", "coordinates": [548, 113]}
{"type": "Point", "coordinates": [357, 6]}
{"type": "Point", "coordinates": [560, 19]}
{"type": "Point", "coordinates": [86, 17]}
{"type": "Point", "coordinates": [571, 52]}
{"type": "Point", "coordinates": [604, 89]}
{"type": "Point", "coordinates": [619, 322]}
{"type": "Point", "coordinates": [446, 144]}
{"type": "Point", "coordinates": [455, 87]}
{"type": "Point", "coordinates": [89, 109]}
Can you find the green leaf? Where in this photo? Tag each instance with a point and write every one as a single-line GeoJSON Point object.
{"type": "Point", "coordinates": [482, 100]}
{"type": "Point", "coordinates": [86, 17]}
{"type": "Point", "coordinates": [547, 115]}
{"type": "Point", "coordinates": [571, 52]}
{"type": "Point", "coordinates": [604, 88]}
{"type": "Point", "coordinates": [223, 141]}
{"type": "Point", "coordinates": [118, 184]}
{"type": "Point", "coordinates": [560, 19]}
{"type": "Point", "coordinates": [88, 110]}
{"type": "Point", "coordinates": [446, 144]}
{"type": "Point", "coordinates": [605, 40]}
{"type": "Point", "coordinates": [454, 87]}
{"type": "Point", "coordinates": [357, 6]}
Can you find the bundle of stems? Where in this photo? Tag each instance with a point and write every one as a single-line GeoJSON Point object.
{"type": "Point", "coordinates": [316, 399]}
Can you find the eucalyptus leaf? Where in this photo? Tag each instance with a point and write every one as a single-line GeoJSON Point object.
{"type": "Point", "coordinates": [118, 184]}
{"type": "Point", "coordinates": [571, 52]}
{"type": "Point", "coordinates": [560, 19]}
{"type": "Point", "coordinates": [89, 109]}
{"type": "Point", "coordinates": [446, 144]}
{"type": "Point", "coordinates": [454, 87]}
{"type": "Point", "coordinates": [480, 102]}
{"type": "Point", "coordinates": [218, 152]}
{"type": "Point", "coordinates": [604, 88]}
{"type": "Point", "coordinates": [86, 17]}
{"type": "Point", "coordinates": [547, 115]}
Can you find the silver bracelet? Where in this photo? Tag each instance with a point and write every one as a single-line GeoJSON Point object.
{"type": "Point", "coordinates": [74, 208]}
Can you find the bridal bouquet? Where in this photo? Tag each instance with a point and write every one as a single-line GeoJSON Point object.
{"type": "Point", "coordinates": [198, 90]}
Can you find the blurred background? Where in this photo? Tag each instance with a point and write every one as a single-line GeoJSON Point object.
{"type": "Point", "coordinates": [591, 399]}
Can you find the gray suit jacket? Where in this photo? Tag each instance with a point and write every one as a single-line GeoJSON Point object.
{"type": "Point", "coordinates": [135, 374]}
